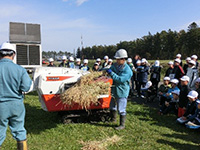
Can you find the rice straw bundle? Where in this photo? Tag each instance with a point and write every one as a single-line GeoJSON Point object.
{"type": "Point", "coordinates": [86, 91]}
{"type": "Point", "coordinates": [100, 145]}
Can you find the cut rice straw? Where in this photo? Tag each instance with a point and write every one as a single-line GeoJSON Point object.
{"type": "Point", "coordinates": [100, 145]}
{"type": "Point", "coordinates": [86, 91]}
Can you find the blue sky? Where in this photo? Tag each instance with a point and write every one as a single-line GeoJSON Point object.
{"type": "Point", "coordinates": [100, 22]}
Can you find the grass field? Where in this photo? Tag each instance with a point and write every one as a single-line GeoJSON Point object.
{"type": "Point", "coordinates": [144, 130]}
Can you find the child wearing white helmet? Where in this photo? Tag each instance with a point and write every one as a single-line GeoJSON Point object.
{"type": "Point", "coordinates": [195, 122]}
{"type": "Point", "coordinates": [155, 74]}
{"type": "Point", "coordinates": [85, 67]}
{"type": "Point", "coordinates": [110, 62]}
{"type": "Point", "coordinates": [192, 73]}
{"type": "Point", "coordinates": [51, 63]}
{"type": "Point", "coordinates": [184, 90]}
{"type": "Point", "coordinates": [95, 67]}
{"type": "Point", "coordinates": [163, 89]}
{"type": "Point", "coordinates": [172, 104]}
{"type": "Point", "coordinates": [178, 56]}
{"type": "Point", "coordinates": [98, 60]}
{"type": "Point", "coordinates": [64, 62]}
{"type": "Point", "coordinates": [78, 63]}
{"type": "Point", "coordinates": [71, 64]}
{"type": "Point", "coordinates": [186, 65]}
{"type": "Point", "coordinates": [105, 61]}
{"type": "Point", "coordinates": [194, 57]}
{"type": "Point", "coordinates": [174, 86]}
{"type": "Point", "coordinates": [170, 71]}
{"type": "Point", "coordinates": [190, 109]}
{"type": "Point", "coordinates": [142, 76]}
{"type": "Point", "coordinates": [178, 70]}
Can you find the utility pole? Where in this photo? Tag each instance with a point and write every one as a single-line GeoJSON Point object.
{"type": "Point", "coordinates": [82, 47]}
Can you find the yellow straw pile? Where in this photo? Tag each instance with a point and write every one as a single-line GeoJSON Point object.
{"type": "Point", "coordinates": [86, 91]}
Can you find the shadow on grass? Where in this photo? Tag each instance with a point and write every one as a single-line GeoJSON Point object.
{"type": "Point", "coordinates": [37, 120]}
{"type": "Point", "coordinates": [179, 146]}
{"type": "Point", "coordinates": [169, 121]}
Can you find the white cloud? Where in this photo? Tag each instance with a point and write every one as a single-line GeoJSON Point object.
{"type": "Point", "coordinates": [78, 2]}
{"type": "Point", "coordinates": [10, 11]}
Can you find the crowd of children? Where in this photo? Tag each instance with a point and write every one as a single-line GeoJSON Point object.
{"type": "Point", "coordinates": [178, 93]}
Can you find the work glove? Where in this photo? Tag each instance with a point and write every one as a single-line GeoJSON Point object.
{"type": "Point", "coordinates": [109, 71]}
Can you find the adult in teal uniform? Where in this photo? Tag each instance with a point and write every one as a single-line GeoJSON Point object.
{"type": "Point", "coordinates": [121, 74]}
{"type": "Point", "coordinates": [13, 81]}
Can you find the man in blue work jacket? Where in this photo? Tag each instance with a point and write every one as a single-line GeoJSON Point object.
{"type": "Point", "coordinates": [121, 74]}
{"type": "Point", "coordinates": [13, 81]}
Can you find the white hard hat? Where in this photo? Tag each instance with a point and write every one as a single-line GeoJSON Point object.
{"type": "Point", "coordinates": [7, 46]}
{"type": "Point", "coordinates": [85, 61]}
{"type": "Point", "coordinates": [98, 59]}
{"type": "Point", "coordinates": [96, 64]}
{"type": "Point", "coordinates": [166, 78]}
{"type": "Point", "coordinates": [129, 60]}
{"type": "Point", "coordinates": [138, 62]}
{"type": "Point", "coordinates": [148, 85]}
{"type": "Point", "coordinates": [121, 53]}
{"type": "Point", "coordinates": [71, 58]}
{"type": "Point", "coordinates": [188, 59]}
{"type": "Point", "coordinates": [198, 80]}
{"type": "Point", "coordinates": [51, 59]}
{"type": "Point", "coordinates": [178, 55]}
{"type": "Point", "coordinates": [177, 60]}
{"type": "Point", "coordinates": [177, 92]}
{"type": "Point", "coordinates": [192, 94]}
{"type": "Point", "coordinates": [105, 57]}
{"type": "Point", "coordinates": [194, 56]}
{"type": "Point", "coordinates": [170, 63]}
{"type": "Point", "coordinates": [185, 78]}
{"type": "Point", "coordinates": [64, 58]}
{"type": "Point", "coordinates": [192, 62]}
{"type": "Point", "coordinates": [143, 60]}
{"type": "Point", "coordinates": [110, 60]}
{"type": "Point", "coordinates": [157, 63]}
{"type": "Point", "coordinates": [78, 59]}
{"type": "Point", "coordinates": [175, 81]}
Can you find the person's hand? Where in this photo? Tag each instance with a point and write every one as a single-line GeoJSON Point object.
{"type": "Point", "coordinates": [184, 118]}
{"type": "Point", "coordinates": [109, 71]}
{"type": "Point", "coordinates": [166, 103]}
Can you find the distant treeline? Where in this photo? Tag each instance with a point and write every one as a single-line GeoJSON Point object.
{"type": "Point", "coordinates": [163, 45]}
{"type": "Point", "coordinates": [55, 55]}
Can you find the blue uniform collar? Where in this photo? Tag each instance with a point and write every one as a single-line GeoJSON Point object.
{"type": "Point", "coordinates": [6, 60]}
{"type": "Point", "coordinates": [120, 67]}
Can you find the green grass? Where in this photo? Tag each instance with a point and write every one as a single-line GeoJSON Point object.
{"type": "Point", "coordinates": [144, 130]}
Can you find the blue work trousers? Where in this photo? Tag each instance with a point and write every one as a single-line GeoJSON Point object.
{"type": "Point", "coordinates": [119, 105]}
{"type": "Point", "coordinates": [12, 114]}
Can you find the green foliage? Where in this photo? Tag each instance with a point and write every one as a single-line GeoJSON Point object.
{"type": "Point", "coordinates": [163, 45]}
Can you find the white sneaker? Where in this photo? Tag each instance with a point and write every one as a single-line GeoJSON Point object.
{"type": "Point", "coordinates": [142, 96]}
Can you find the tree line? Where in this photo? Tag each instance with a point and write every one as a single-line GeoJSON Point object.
{"type": "Point", "coordinates": [163, 45]}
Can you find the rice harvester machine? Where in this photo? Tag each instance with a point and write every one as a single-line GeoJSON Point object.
{"type": "Point", "coordinates": [50, 82]}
